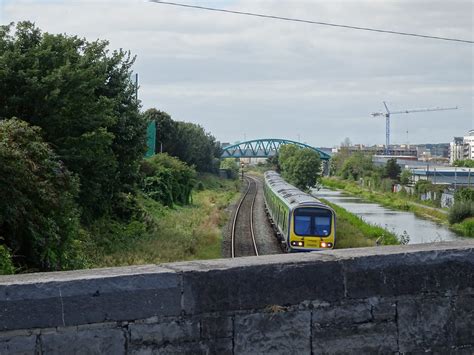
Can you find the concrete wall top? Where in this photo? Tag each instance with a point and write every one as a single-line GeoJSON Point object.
{"type": "Point", "coordinates": [70, 298]}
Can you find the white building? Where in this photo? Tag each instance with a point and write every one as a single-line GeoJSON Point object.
{"type": "Point", "coordinates": [456, 149]}
{"type": "Point", "coordinates": [462, 148]}
{"type": "Point", "coordinates": [469, 145]}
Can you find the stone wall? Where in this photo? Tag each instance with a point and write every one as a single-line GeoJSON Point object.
{"type": "Point", "coordinates": [415, 298]}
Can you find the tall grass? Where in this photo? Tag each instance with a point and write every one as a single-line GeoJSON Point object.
{"type": "Point", "coordinates": [169, 234]}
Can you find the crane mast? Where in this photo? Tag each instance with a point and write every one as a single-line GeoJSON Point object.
{"type": "Point", "coordinates": [389, 113]}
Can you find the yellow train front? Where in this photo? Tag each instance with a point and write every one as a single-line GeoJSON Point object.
{"type": "Point", "coordinates": [301, 221]}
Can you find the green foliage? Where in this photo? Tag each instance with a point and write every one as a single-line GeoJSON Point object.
{"type": "Point", "coordinates": [466, 227]}
{"type": "Point", "coordinates": [6, 263]}
{"type": "Point", "coordinates": [299, 166]}
{"type": "Point", "coordinates": [392, 169]}
{"type": "Point", "coordinates": [356, 166]}
{"type": "Point", "coordinates": [460, 211]}
{"type": "Point", "coordinates": [423, 186]}
{"type": "Point", "coordinates": [231, 165]}
{"type": "Point", "coordinates": [187, 141]}
{"type": "Point", "coordinates": [38, 216]}
{"type": "Point", "coordinates": [464, 195]}
{"type": "Point", "coordinates": [182, 233]}
{"type": "Point", "coordinates": [168, 180]}
{"type": "Point", "coordinates": [405, 177]}
{"type": "Point", "coordinates": [82, 97]}
{"type": "Point", "coordinates": [468, 163]}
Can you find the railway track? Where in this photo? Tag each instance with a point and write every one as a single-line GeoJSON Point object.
{"type": "Point", "coordinates": [243, 237]}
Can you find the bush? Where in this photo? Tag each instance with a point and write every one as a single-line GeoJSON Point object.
{"type": "Point", "coordinates": [168, 180]}
{"type": "Point", "coordinates": [6, 264]}
{"type": "Point", "coordinates": [464, 194]}
{"type": "Point", "coordinates": [39, 219]}
{"type": "Point", "coordinates": [460, 211]}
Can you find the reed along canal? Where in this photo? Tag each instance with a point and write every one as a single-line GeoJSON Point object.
{"type": "Point", "coordinates": [419, 230]}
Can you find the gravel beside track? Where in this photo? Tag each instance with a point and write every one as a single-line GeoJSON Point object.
{"type": "Point", "coordinates": [265, 237]}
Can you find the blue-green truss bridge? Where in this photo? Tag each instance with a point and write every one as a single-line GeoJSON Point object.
{"type": "Point", "coordinates": [264, 148]}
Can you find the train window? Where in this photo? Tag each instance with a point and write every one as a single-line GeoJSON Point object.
{"type": "Point", "coordinates": [312, 222]}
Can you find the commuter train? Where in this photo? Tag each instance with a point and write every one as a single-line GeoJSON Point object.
{"type": "Point", "coordinates": [302, 222]}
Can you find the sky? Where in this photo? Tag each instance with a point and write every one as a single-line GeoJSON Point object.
{"type": "Point", "coordinates": [245, 78]}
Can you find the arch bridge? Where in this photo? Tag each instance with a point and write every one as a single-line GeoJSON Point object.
{"type": "Point", "coordinates": [264, 148]}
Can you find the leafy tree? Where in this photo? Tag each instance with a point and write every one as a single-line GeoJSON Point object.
{"type": "Point", "coordinates": [405, 177]}
{"type": "Point", "coordinates": [232, 165]}
{"type": "Point", "coordinates": [300, 166]}
{"type": "Point", "coordinates": [464, 163]}
{"type": "Point", "coordinates": [39, 220]}
{"type": "Point", "coordinates": [356, 166]}
{"type": "Point", "coordinates": [168, 180]}
{"type": "Point", "coordinates": [464, 194]}
{"type": "Point", "coordinates": [82, 97]}
{"type": "Point", "coordinates": [187, 141]}
{"type": "Point", "coordinates": [392, 169]}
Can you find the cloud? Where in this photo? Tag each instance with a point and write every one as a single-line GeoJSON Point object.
{"type": "Point", "coordinates": [236, 75]}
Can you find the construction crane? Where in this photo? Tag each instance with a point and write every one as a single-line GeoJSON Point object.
{"type": "Point", "coordinates": [389, 113]}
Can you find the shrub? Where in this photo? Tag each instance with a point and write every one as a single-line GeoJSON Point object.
{"type": "Point", "coordinates": [39, 219]}
{"type": "Point", "coordinates": [168, 180]}
{"type": "Point", "coordinates": [6, 264]}
{"type": "Point", "coordinates": [460, 211]}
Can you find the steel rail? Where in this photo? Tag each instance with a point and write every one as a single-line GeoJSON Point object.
{"type": "Point", "coordinates": [234, 223]}
{"type": "Point", "coordinates": [251, 216]}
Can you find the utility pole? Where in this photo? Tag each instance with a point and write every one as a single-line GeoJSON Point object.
{"type": "Point", "coordinates": [389, 113]}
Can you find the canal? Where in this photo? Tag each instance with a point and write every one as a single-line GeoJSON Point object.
{"type": "Point", "coordinates": [419, 230]}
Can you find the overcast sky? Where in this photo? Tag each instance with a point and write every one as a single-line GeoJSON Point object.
{"type": "Point", "coordinates": [242, 77]}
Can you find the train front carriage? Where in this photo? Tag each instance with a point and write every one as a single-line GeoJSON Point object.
{"type": "Point", "coordinates": [302, 221]}
{"type": "Point", "coordinates": [312, 227]}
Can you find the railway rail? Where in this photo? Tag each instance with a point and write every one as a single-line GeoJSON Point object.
{"type": "Point", "coordinates": [243, 236]}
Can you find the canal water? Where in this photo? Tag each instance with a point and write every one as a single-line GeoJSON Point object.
{"type": "Point", "coordinates": [419, 230]}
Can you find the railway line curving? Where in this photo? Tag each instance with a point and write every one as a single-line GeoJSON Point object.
{"type": "Point", "coordinates": [243, 241]}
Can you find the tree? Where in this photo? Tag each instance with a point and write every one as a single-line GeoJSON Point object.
{"type": "Point", "coordinates": [39, 220]}
{"type": "Point", "coordinates": [392, 169]}
{"type": "Point", "coordinates": [168, 180]}
{"type": "Point", "coordinates": [357, 166]}
{"type": "Point", "coordinates": [187, 141]}
{"type": "Point", "coordinates": [82, 97]}
{"type": "Point", "coordinates": [405, 177]}
{"type": "Point", "coordinates": [299, 166]}
{"type": "Point", "coordinates": [232, 165]}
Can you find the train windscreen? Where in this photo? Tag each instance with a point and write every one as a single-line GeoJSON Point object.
{"type": "Point", "coordinates": [312, 222]}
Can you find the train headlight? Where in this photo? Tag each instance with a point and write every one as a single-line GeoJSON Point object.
{"type": "Point", "coordinates": [324, 245]}
{"type": "Point", "coordinates": [297, 244]}
{"type": "Point", "coordinates": [329, 245]}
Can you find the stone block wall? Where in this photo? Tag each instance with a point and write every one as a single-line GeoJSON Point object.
{"type": "Point", "coordinates": [417, 298]}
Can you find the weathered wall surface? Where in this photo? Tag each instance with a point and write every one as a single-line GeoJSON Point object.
{"type": "Point", "coordinates": [393, 299]}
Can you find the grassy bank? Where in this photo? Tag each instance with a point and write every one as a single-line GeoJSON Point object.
{"type": "Point", "coordinates": [387, 199]}
{"type": "Point", "coordinates": [353, 232]}
{"type": "Point", "coordinates": [165, 234]}
{"type": "Point", "coordinates": [466, 227]}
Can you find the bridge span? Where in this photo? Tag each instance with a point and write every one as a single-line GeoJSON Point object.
{"type": "Point", "coordinates": [264, 148]}
{"type": "Point", "coordinates": [397, 299]}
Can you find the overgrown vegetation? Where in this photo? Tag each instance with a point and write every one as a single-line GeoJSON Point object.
{"type": "Point", "coordinates": [467, 163]}
{"type": "Point", "coordinates": [169, 234]}
{"type": "Point", "coordinates": [187, 141]}
{"type": "Point", "coordinates": [75, 188]}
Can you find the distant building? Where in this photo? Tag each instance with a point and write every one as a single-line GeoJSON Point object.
{"type": "Point", "coordinates": [441, 175]}
{"type": "Point", "coordinates": [395, 151]}
{"type": "Point", "coordinates": [456, 149]}
{"type": "Point", "coordinates": [469, 145]}
{"type": "Point", "coordinates": [462, 148]}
